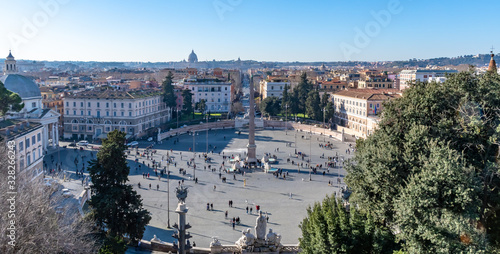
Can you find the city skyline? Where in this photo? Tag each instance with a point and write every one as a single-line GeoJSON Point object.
{"type": "Point", "coordinates": [164, 31]}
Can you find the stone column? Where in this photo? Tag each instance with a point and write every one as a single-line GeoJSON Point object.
{"type": "Point", "coordinates": [182, 210]}
{"type": "Point", "coordinates": [53, 135]}
{"type": "Point", "coordinates": [45, 137]}
{"type": "Point", "coordinates": [251, 154]}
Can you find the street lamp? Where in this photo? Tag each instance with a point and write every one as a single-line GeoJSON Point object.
{"type": "Point", "coordinates": [310, 155]}
{"type": "Point", "coordinates": [324, 127]}
{"type": "Point", "coordinates": [194, 156]}
{"type": "Point", "coordinates": [286, 119]}
{"type": "Point", "coordinates": [168, 192]}
{"type": "Point", "coordinates": [207, 134]}
{"type": "Point", "coordinates": [177, 115]}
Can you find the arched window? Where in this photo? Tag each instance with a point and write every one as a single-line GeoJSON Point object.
{"type": "Point", "coordinates": [90, 122]}
{"type": "Point", "coordinates": [122, 123]}
{"type": "Point", "coordinates": [74, 121]}
{"type": "Point", "coordinates": [107, 122]}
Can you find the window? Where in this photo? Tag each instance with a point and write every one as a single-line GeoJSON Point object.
{"type": "Point", "coordinates": [130, 113]}
{"type": "Point", "coordinates": [21, 146]}
{"type": "Point", "coordinates": [38, 137]}
{"type": "Point", "coordinates": [74, 104]}
{"type": "Point", "coordinates": [98, 104]}
{"type": "Point", "coordinates": [107, 104]}
{"type": "Point", "coordinates": [114, 105]}
{"type": "Point", "coordinates": [89, 112]}
{"type": "Point", "coordinates": [122, 104]}
{"type": "Point", "coordinates": [88, 104]}
{"type": "Point", "coordinates": [74, 112]}
{"type": "Point", "coordinates": [123, 113]}
{"type": "Point", "coordinates": [75, 127]}
{"type": "Point", "coordinates": [34, 156]}
{"type": "Point", "coordinates": [130, 105]}
{"type": "Point", "coordinates": [67, 112]}
{"type": "Point", "coordinates": [33, 139]}
{"type": "Point", "coordinates": [28, 159]}
{"type": "Point", "coordinates": [114, 113]}
{"type": "Point", "coordinates": [98, 113]}
{"type": "Point", "coordinates": [67, 104]}
{"type": "Point", "coordinates": [81, 112]}
{"type": "Point", "coordinates": [90, 128]}
{"type": "Point", "coordinates": [81, 104]}
{"type": "Point", "coordinates": [107, 113]}
{"type": "Point", "coordinates": [107, 129]}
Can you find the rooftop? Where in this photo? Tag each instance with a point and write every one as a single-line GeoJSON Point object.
{"type": "Point", "coordinates": [11, 128]}
{"type": "Point", "coordinates": [114, 94]}
{"type": "Point", "coordinates": [370, 94]}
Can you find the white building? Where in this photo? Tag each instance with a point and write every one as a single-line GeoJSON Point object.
{"type": "Point", "coordinates": [217, 94]}
{"type": "Point", "coordinates": [33, 110]}
{"type": "Point", "coordinates": [273, 87]}
{"type": "Point", "coordinates": [28, 145]}
{"type": "Point", "coordinates": [92, 114]}
{"type": "Point", "coordinates": [408, 76]}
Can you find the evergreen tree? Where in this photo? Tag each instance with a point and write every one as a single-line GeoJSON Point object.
{"type": "Point", "coordinates": [303, 89]}
{"type": "Point", "coordinates": [116, 207]}
{"type": "Point", "coordinates": [201, 106]}
{"type": "Point", "coordinates": [294, 103]}
{"type": "Point", "coordinates": [330, 111]}
{"type": "Point", "coordinates": [169, 97]}
{"type": "Point", "coordinates": [329, 228]}
{"type": "Point", "coordinates": [325, 98]}
{"type": "Point", "coordinates": [285, 101]}
{"type": "Point", "coordinates": [430, 169]}
{"type": "Point", "coordinates": [9, 101]}
{"type": "Point", "coordinates": [187, 97]}
{"type": "Point", "coordinates": [313, 106]}
{"type": "Point", "coordinates": [270, 105]}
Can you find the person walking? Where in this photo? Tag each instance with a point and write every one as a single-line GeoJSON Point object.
{"type": "Point", "coordinates": [157, 187]}
{"type": "Point", "coordinates": [226, 214]}
{"type": "Point", "coordinates": [250, 210]}
{"type": "Point", "coordinates": [150, 186]}
{"type": "Point", "coordinates": [247, 209]}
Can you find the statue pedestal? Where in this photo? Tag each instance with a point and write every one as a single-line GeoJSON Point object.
{"type": "Point", "coordinates": [251, 155]}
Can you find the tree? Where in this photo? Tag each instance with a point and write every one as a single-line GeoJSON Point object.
{"type": "Point", "coordinates": [9, 101]}
{"type": "Point", "coordinates": [187, 97]}
{"type": "Point", "coordinates": [294, 103]}
{"type": "Point", "coordinates": [330, 111]}
{"type": "Point", "coordinates": [303, 89]}
{"type": "Point", "coordinates": [270, 105]}
{"type": "Point", "coordinates": [201, 106]}
{"type": "Point", "coordinates": [285, 101]}
{"type": "Point", "coordinates": [388, 174]}
{"type": "Point", "coordinates": [169, 97]}
{"type": "Point", "coordinates": [39, 228]}
{"type": "Point", "coordinates": [313, 106]}
{"type": "Point", "coordinates": [325, 98]}
{"type": "Point", "coordinates": [116, 207]}
{"type": "Point", "coordinates": [329, 228]}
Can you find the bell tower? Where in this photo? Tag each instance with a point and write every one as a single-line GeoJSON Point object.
{"type": "Point", "coordinates": [10, 65]}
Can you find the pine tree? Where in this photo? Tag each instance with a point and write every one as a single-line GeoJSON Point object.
{"type": "Point", "coordinates": [116, 207]}
{"type": "Point", "coordinates": [9, 101]}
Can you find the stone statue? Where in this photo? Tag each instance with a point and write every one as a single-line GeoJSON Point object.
{"type": "Point", "coordinates": [181, 193]}
{"type": "Point", "coordinates": [215, 242]}
{"type": "Point", "coordinates": [247, 239]}
{"type": "Point", "coordinates": [273, 238]}
{"type": "Point", "coordinates": [243, 239]}
{"type": "Point", "coordinates": [260, 227]}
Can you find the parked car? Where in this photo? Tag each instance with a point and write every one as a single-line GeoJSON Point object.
{"type": "Point", "coordinates": [150, 139]}
{"type": "Point", "coordinates": [133, 143]}
{"type": "Point", "coordinates": [73, 144]}
{"type": "Point", "coordinates": [83, 143]}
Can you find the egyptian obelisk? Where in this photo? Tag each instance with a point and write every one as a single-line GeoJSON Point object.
{"type": "Point", "coordinates": [251, 157]}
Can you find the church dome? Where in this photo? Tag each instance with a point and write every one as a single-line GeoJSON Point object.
{"type": "Point", "coordinates": [21, 85]}
{"type": "Point", "coordinates": [193, 58]}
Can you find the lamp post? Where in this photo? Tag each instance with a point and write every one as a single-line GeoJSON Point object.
{"type": "Point", "coordinates": [177, 115]}
{"type": "Point", "coordinates": [168, 192]}
{"type": "Point", "coordinates": [310, 155]}
{"type": "Point", "coordinates": [194, 156]}
{"type": "Point", "coordinates": [324, 127]}
{"type": "Point", "coordinates": [286, 119]}
{"type": "Point", "coordinates": [207, 134]}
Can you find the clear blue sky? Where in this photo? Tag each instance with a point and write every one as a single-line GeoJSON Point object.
{"type": "Point", "coordinates": [271, 30]}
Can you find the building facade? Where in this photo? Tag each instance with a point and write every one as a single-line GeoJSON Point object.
{"type": "Point", "coordinates": [358, 109]}
{"type": "Point", "coordinates": [406, 77]}
{"type": "Point", "coordinates": [217, 94]}
{"type": "Point", "coordinates": [92, 114]}
{"type": "Point", "coordinates": [273, 86]}
{"type": "Point", "coordinates": [28, 145]}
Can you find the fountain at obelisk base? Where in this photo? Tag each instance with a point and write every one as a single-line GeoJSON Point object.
{"type": "Point", "coordinates": [260, 242]}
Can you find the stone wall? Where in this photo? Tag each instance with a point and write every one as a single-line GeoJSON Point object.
{"type": "Point", "coordinates": [197, 127]}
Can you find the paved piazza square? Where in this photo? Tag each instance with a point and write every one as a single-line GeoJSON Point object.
{"type": "Point", "coordinates": [263, 189]}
